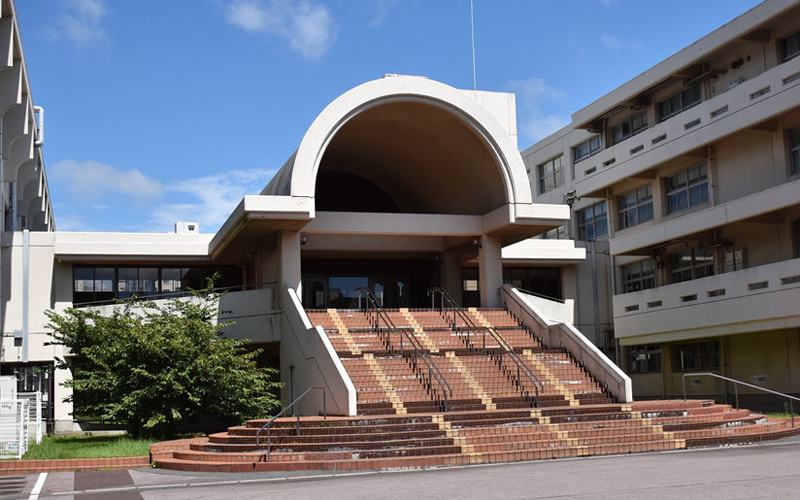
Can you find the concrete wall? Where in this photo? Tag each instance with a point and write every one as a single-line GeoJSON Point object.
{"type": "Point", "coordinates": [566, 336]}
{"type": "Point", "coordinates": [315, 364]}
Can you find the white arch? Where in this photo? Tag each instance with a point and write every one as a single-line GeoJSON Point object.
{"type": "Point", "coordinates": [393, 89]}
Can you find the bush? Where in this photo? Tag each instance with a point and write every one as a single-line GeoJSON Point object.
{"type": "Point", "coordinates": [157, 366]}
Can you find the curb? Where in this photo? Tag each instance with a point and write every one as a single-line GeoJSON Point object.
{"type": "Point", "coordinates": [18, 467]}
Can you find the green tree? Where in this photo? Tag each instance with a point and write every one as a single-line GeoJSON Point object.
{"type": "Point", "coordinates": [155, 366]}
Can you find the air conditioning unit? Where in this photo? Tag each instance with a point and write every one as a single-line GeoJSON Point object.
{"type": "Point", "coordinates": [187, 227]}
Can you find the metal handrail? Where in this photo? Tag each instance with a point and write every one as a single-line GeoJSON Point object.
{"type": "Point", "coordinates": [434, 374]}
{"type": "Point", "coordinates": [736, 389]}
{"type": "Point", "coordinates": [522, 367]}
{"type": "Point", "coordinates": [268, 425]}
{"type": "Point", "coordinates": [540, 295]}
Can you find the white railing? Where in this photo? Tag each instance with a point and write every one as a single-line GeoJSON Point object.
{"type": "Point", "coordinates": [34, 413]}
{"type": "Point", "coordinates": [13, 428]}
{"type": "Point", "coordinates": [616, 160]}
{"type": "Point", "coordinates": [763, 293]}
{"type": "Point", "coordinates": [556, 334]}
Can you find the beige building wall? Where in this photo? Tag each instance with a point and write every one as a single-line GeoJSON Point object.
{"type": "Point", "coordinates": [738, 100]}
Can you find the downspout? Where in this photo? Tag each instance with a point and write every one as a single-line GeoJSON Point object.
{"type": "Point", "coordinates": [599, 340]}
{"type": "Point", "coordinates": [39, 126]}
{"type": "Point", "coordinates": [26, 247]}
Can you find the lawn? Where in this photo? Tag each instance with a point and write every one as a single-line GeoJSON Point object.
{"type": "Point", "coordinates": [88, 447]}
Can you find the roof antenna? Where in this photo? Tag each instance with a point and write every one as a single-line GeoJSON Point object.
{"type": "Point", "coordinates": [472, 22]}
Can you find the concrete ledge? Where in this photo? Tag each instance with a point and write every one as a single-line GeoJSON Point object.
{"type": "Point", "coordinates": [18, 467]}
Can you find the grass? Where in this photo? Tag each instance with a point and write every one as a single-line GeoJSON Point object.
{"type": "Point", "coordinates": [782, 415]}
{"type": "Point", "coordinates": [89, 447]}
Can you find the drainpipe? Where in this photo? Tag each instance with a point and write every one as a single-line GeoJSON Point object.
{"type": "Point", "coordinates": [595, 299]}
{"type": "Point", "coordinates": [13, 195]}
{"type": "Point", "coordinates": [39, 126]}
{"type": "Point", "coordinates": [26, 247]}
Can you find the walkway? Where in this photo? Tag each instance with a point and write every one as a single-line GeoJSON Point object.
{"type": "Point", "coordinates": [766, 470]}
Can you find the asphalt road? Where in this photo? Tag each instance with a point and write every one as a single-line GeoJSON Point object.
{"type": "Point", "coordinates": [758, 471]}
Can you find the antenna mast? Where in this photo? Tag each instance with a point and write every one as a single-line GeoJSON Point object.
{"type": "Point", "coordinates": [472, 23]}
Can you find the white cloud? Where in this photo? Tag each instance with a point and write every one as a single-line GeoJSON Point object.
{"type": "Point", "coordinates": [82, 21]}
{"type": "Point", "coordinates": [209, 200]}
{"type": "Point", "coordinates": [90, 181]}
{"type": "Point", "coordinates": [308, 27]}
{"type": "Point", "coordinates": [613, 43]}
{"type": "Point", "coordinates": [382, 8]}
{"type": "Point", "coordinates": [536, 102]}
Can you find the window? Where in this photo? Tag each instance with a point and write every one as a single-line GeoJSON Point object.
{"type": "Point", "coordinates": [679, 102]}
{"type": "Point", "coordinates": [696, 356]}
{"type": "Point", "coordinates": [559, 233]}
{"type": "Point", "coordinates": [796, 231]}
{"type": "Point", "coordinates": [592, 222]}
{"type": "Point", "coordinates": [688, 188]}
{"type": "Point", "coordinates": [102, 285]}
{"type": "Point", "coordinates": [691, 265]}
{"type": "Point", "coordinates": [587, 148]}
{"type": "Point", "coordinates": [544, 281]}
{"type": "Point", "coordinates": [794, 150]}
{"type": "Point", "coordinates": [551, 175]}
{"type": "Point", "coordinates": [638, 276]}
{"type": "Point", "coordinates": [629, 127]}
{"type": "Point", "coordinates": [790, 46]}
{"type": "Point", "coordinates": [635, 206]}
{"type": "Point", "coordinates": [643, 359]}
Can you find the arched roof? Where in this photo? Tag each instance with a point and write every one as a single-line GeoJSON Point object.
{"type": "Point", "coordinates": [428, 146]}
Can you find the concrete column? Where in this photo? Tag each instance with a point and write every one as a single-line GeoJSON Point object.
{"type": "Point", "coordinates": [62, 410]}
{"type": "Point", "coordinates": [451, 274]}
{"type": "Point", "coordinates": [490, 270]}
{"type": "Point", "coordinates": [289, 248]}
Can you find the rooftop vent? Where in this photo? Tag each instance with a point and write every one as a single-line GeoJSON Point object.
{"type": "Point", "coordinates": [187, 227]}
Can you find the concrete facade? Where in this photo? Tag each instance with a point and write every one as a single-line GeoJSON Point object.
{"type": "Point", "coordinates": [693, 168]}
{"type": "Point", "coordinates": [348, 208]}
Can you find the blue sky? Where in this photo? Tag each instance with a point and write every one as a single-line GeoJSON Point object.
{"type": "Point", "coordinates": [158, 111]}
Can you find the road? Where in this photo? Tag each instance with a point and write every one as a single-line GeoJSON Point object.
{"type": "Point", "coordinates": [758, 471]}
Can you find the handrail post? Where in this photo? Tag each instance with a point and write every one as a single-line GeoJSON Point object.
{"type": "Point", "coordinates": [736, 394]}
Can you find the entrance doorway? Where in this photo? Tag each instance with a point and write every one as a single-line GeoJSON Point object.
{"type": "Point", "coordinates": [395, 283]}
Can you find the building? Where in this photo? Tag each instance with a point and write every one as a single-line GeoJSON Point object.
{"type": "Point", "coordinates": [360, 203]}
{"type": "Point", "coordinates": [684, 189]}
{"type": "Point", "coordinates": [682, 184]}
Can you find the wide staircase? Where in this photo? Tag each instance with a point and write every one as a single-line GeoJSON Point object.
{"type": "Point", "coordinates": [453, 387]}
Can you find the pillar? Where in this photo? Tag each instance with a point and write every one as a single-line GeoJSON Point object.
{"type": "Point", "coordinates": [451, 273]}
{"type": "Point", "coordinates": [289, 248]}
{"type": "Point", "coordinates": [490, 270]}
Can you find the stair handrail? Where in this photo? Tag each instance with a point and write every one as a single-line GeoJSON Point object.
{"type": "Point", "coordinates": [736, 385]}
{"type": "Point", "coordinates": [522, 367]}
{"type": "Point", "coordinates": [434, 374]}
{"type": "Point", "coordinates": [268, 425]}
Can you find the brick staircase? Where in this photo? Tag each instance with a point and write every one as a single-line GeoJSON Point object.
{"type": "Point", "coordinates": [490, 416]}
{"type": "Point", "coordinates": [473, 437]}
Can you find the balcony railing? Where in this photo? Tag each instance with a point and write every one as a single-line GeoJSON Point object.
{"type": "Point", "coordinates": [722, 106]}
{"type": "Point", "coordinates": [766, 294]}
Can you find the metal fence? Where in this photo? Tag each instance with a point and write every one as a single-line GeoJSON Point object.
{"type": "Point", "coordinates": [20, 420]}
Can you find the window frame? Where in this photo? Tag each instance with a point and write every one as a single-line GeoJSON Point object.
{"type": "Point", "coordinates": [691, 356]}
{"type": "Point", "coordinates": [594, 222]}
{"type": "Point", "coordinates": [549, 171]}
{"type": "Point", "coordinates": [593, 146]}
{"type": "Point", "coordinates": [793, 39]}
{"type": "Point", "coordinates": [701, 264]}
{"type": "Point", "coordinates": [632, 128]}
{"type": "Point", "coordinates": [691, 187]}
{"type": "Point", "coordinates": [681, 101]}
{"type": "Point", "coordinates": [637, 276]}
{"type": "Point", "coordinates": [796, 238]}
{"type": "Point", "coordinates": [557, 233]}
{"type": "Point", "coordinates": [642, 204]}
{"type": "Point", "coordinates": [652, 358]}
{"type": "Point", "coordinates": [794, 150]}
